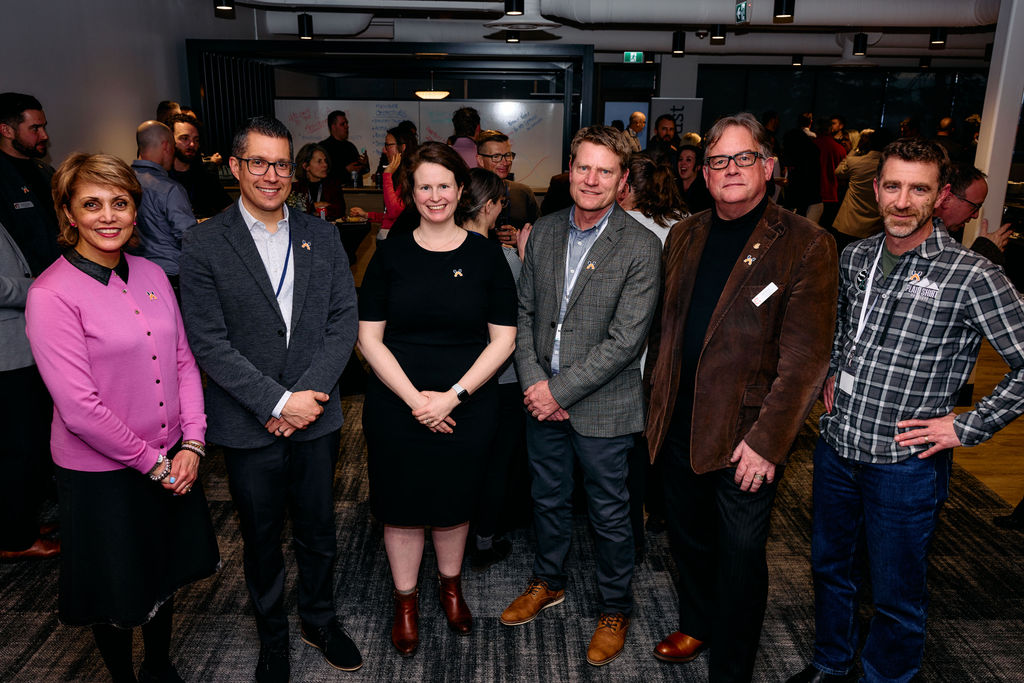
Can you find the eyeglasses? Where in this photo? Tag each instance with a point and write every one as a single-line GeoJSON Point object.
{"type": "Point", "coordinates": [257, 166]}
{"type": "Point", "coordinates": [720, 161]}
{"type": "Point", "coordinates": [965, 200]}
{"type": "Point", "coordinates": [495, 158]}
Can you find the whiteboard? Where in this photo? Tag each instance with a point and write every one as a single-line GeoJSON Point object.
{"type": "Point", "coordinates": [535, 128]}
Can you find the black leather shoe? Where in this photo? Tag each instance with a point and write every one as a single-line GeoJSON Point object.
{"type": "Point", "coordinates": [813, 674]}
{"type": "Point", "coordinates": [480, 560]}
{"type": "Point", "coordinates": [335, 645]}
{"type": "Point", "coordinates": [273, 666]}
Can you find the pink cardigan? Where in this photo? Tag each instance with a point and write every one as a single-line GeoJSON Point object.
{"type": "Point", "coordinates": [125, 386]}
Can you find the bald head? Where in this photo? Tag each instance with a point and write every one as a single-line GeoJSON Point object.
{"type": "Point", "coordinates": [156, 143]}
{"type": "Point", "coordinates": [637, 121]}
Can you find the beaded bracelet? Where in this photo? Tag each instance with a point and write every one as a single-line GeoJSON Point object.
{"type": "Point", "coordinates": [195, 446]}
{"type": "Point", "coordinates": [164, 471]}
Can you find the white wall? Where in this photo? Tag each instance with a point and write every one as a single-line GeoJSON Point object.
{"type": "Point", "coordinates": [99, 67]}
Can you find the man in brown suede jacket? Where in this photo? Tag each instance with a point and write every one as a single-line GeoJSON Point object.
{"type": "Point", "coordinates": [736, 359]}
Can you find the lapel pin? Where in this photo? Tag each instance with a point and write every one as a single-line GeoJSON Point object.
{"type": "Point", "coordinates": [457, 272]}
{"type": "Point", "coordinates": [306, 246]}
{"type": "Point", "coordinates": [590, 265]}
{"type": "Point", "coordinates": [757, 245]}
{"type": "Point", "coordinates": [24, 188]}
{"type": "Point", "coordinates": [151, 295]}
{"type": "Point", "coordinates": [749, 260]}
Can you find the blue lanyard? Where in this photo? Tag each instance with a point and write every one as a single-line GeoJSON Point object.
{"type": "Point", "coordinates": [287, 257]}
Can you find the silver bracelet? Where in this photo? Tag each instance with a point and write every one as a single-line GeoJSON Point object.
{"type": "Point", "coordinates": [189, 447]}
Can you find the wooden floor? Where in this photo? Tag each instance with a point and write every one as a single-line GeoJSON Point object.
{"type": "Point", "coordinates": [997, 462]}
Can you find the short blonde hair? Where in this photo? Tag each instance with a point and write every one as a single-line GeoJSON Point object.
{"type": "Point", "coordinates": [99, 169]}
{"type": "Point", "coordinates": [604, 136]}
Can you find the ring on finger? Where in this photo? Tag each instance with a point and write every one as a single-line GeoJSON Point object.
{"type": "Point", "coordinates": [759, 478]}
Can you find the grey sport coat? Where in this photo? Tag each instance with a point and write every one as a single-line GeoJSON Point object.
{"type": "Point", "coordinates": [15, 278]}
{"type": "Point", "coordinates": [605, 326]}
{"type": "Point", "coordinates": [237, 334]}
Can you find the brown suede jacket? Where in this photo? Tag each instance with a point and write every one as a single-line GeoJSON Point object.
{"type": "Point", "coordinates": [761, 366]}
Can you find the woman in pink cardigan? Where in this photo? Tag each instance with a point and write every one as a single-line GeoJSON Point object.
{"type": "Point", "coordinates": [128, 423]}
{"type": "Point", "coordinates": [396, 143]}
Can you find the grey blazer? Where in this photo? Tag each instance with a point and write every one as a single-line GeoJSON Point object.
{"type": "Point", "coordinates": [15, 278]}
{"type": "Point", "coordinates": [237, 334]}
{"type": "Point", "coordinates": [609, 311]}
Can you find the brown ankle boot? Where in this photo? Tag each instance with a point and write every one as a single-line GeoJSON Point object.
{"type": "Point", "coordinates": [450, 594]}
{"type": "Point", "coordinates": [405, 632]}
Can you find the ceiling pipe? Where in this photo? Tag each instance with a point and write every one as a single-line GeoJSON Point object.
{"type": "Point", "coordinates": [326, 23]}
{"type": "Point", "coordinates": [823, 13]}
{"type": "Point", "coordinates": [970, 45]}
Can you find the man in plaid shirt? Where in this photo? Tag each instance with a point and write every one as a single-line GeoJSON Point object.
{"type": "Point", "coordinates": [913, 307]}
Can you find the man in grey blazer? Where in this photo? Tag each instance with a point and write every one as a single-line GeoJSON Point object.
{"type": "Point", "coordinates": [587, 292]}
{"type": "Point", "coordinates": [270, 311]}
{"type": "Point", "coordinates": [25, 413]}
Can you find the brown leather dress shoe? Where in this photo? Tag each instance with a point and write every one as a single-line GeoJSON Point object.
{"type": "Point", "coordinates": [527, 606]}
{"type": "Point", "coordinates": [41, 549]}
{"type": "Point", "coordinates": [608, 639]}
{"type": "Point", "coordinates": [405, 630]}
{"type": "Point", "coordinates": [449, 592]}
{"type": "Point", "coordinates": [679, 648]}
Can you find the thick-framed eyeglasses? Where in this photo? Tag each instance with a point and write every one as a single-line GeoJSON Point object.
{"type": "Point", "coordinates": [495, 158]}
{"type": "Point", "coordinates": [965, 200]}
{"type": "Point", "coordinates": [257, 166]}
{"type": "Point", "coordinates": [719, 162]}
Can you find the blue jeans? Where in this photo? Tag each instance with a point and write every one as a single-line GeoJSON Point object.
{"type": "Point", "coordinates": [890, 510]}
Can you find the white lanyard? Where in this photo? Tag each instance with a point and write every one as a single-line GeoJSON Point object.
{"type": "Point", "coordinates": [863, 320]}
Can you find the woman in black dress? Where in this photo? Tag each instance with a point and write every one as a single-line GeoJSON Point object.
{"type": "Point", "coordinates": [437, 316]}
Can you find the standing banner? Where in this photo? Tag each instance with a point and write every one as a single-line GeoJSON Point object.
{"type": "Point", "coordinates": [684, 110]}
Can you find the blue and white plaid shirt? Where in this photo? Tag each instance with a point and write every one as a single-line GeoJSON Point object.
{"type": "Point", "coordinates": [920, 340]}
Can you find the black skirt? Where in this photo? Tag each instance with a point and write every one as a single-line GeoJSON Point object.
{"type": "Point", "coordinates": [127, 544]}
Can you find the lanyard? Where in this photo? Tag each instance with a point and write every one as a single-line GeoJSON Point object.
{"type": "Point", "coordinates": [287, 257]}
{"type": "Point", "coordinates": [863, 320]}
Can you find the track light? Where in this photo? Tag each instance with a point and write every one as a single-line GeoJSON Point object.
{"type": "Point", "coordinates": [306, 26]}
{"type": "Point", "coordinates": [924, 62]}
{"type": "Point", "coordinates": [798, 60]}
{"type": "Point", "coordinates": [860, 44]}
{"type": "Point", "coordinates": [678, 43]}
{"type": "Point", "coordinates": [784, 10]}
{"type": "Point", "coordinates": [717, 35]}
{"type": "Point", "coordinates": [938, 37]}
{"type": "Point", "coordinates": [514, 8]}
{"type": "Point", "coordinates": [224, 5]}
{"type": "Point", "coordinates": [511, 36]}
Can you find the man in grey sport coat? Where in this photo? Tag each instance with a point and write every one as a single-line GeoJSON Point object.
{"type": "Point", "coordinates": [25, 413]}
{"type": "Point", "coordinates": [587, 292]}
{"type": "Point", "coordinates": [270, 311]}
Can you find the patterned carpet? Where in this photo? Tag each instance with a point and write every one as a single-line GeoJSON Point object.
{"type": "Point", "coordinates": [977, 613]}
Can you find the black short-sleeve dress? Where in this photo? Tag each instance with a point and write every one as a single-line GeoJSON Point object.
{"type": "Point", "coordinates": [437, 306]}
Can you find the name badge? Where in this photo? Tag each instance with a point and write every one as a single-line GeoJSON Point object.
{"type": "Point", "coordinates": [846, 382]}
{"type": "Point", "coordinates": [23, 205]}
{"type": "Point", "coordinates": [765, 293]}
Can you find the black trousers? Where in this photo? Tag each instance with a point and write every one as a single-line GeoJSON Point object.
{"type": "Point", "coordinates": [507, 457]}
{"type": "Point", "coordinates": [266, 483]}
{"type": "Point", "coordinates": [25, 415]}
{"type": "Point", "coordinates": [717, 535]}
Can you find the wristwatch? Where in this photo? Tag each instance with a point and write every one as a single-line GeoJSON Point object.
{"type": "Point", "coordinates": [461, 393]}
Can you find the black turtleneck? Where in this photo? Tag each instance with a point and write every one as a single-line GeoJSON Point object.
{"type": "Point", "coordinates": [722, 251]}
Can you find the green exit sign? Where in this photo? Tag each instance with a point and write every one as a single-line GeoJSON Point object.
{"type": "Point", "coordinates": [742, 11]}
{"type": "Point", "coordinates": [633, 57]}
